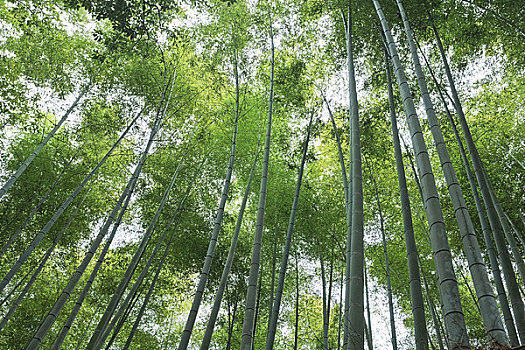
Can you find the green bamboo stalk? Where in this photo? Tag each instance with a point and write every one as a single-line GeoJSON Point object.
{"type": "Point", "coordinates": [516, 231]}
{"type": "Point", "coordinates": [41, 266]}
{"type": "Point", "coordinates": [354, 320]}
{"type": "Point", "coordinates": [297, 296]}
{"type": "Point", "coordinates": [249, 311]}
{"type": "Point", "coordinates": [122, 312]}
{"type": "Point", "coordinates": [270, 339]}
{"type": "Point", "coordinates": [494, 264]}
{"type": "Point", "coordinates": [257, 306]}
{"type": "Point", "coordinates": [323, 287]}
{"type": "Point", "coordinates": [508, 231]}
{"type": "Point", "coordinates": [29, 250]}
{"type": "Point", "coordinates": [416, 294]}
{"type": "Point", "coordinates": [497, 231]}
{"type": "Point", "coordinates": [69, 322]}
{"type": "Point", "coordinates": [82, 296]}
{"type": "Point", "coordinates": [485, 294]}
{"type": "Point", "coordinates": [435, 319]}
{"type": "Point", "coordinates": [150, 291]}
{"type": "Point", "coordinates": [118, 326]}
{"type": "Point", "coordinates": [203, 279]}
{"type": "Point", "coordinates": [36, 208]}
{"type": "Point", "coordinates": [229, 261]}
{"type": "Point", "coordinates": [44, 142]}
{"type": "Point", "coordinates": [454, 318]}
{"type": "Point", "coordinates": [52, 316]}
{"type": "Point", "coordinates": [387, 266]}
{"type": "Point", "coordinates": [369, 338]}
{"type": "Point", "coordinates": [95, 339]}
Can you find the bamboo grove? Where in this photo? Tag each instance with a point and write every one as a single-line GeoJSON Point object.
{"type": "Point", "coordinates": [262, 174]}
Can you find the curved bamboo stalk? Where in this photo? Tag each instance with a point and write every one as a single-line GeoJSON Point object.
{"type": "Point", "coordinates": [344, 177]}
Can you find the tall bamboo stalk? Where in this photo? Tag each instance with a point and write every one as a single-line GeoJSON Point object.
{"type": "Point", "coordinates": [37, 207]}
{"type": "Point", "coordinates": [150, 291]}
{"type": "Point", "coordinates": [286, 252]}
{"type": "Point", "coordinates": [435, 318]}
{"type": "Point", "coordinates": [41, 265]}
{"type": "Point", "coordinates": [416, 294]}
{"type": "Point", "coordinates": [497, 231]}
{"type": "Point", "coordinates": [118, 326]}
{"type": "Point", "coordinates": [251, 296]}
{"type": "Point", "coordinates": [82, 296]}
{"type": "Point", "coordinates": [229, 261]}
{"type": "Point", "coordinates": [76, 308]}
{"type": "Point", "coordinates": [516, 231]}
{"type": "Point", "coordinates": [454, 318]}
{"type": "Point", "coordinates": [257, 305]}
{"type": "Point", "coordinates": [124, 309]}
{"type": "Point", "coordinates": [51, 317]}
{"type": "Point", "coordinates": [508, 231]}
{"type": "Point", "coordinates": [203, 279]}
{"type": "Point", "coordinates": [387, 266]}
{"type": "Point", "coordinates": [484, 293]}
{"type": "Point", "coordinates": [354, 319]}
{"type": "Point", "coordinates": [494, 264]}
{"type": "Point", "coordinates": [347, 184]}
{"type": "Point", "coordinates": [297, 296]}
{"type": "Point", "coordinates": [369, 337]}
{"type": "Point", "coordinates": [94, 340]}
{"type": "Point", "coordinates": [324, 297]}
{"type": "Point", "coordinates": [341, 311]}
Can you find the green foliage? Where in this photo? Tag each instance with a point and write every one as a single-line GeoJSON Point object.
{"type": "Point", "coordinates": [130, 50]}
